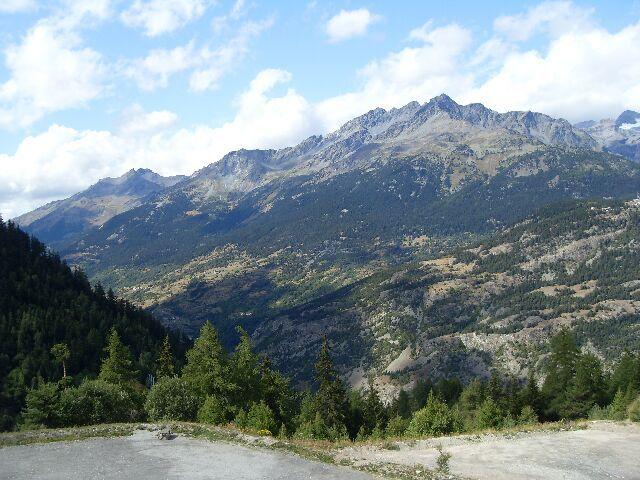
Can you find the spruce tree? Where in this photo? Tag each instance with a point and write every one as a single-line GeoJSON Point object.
{"type": "Point", "coordinates": [561, 369]}
{"type": "Point", "coordinates": [330, 400]}
{"type": "Point", "coordinates": [402, 404]}
{"type": "Point", "coordinates": [207, 367]}
{"type": "Point", "coordinates": [586, 389]}
{"type": "Point", "coordinates": [117, 367]}
{"type": "Point", "coordinates": [374, 414]}
{"type": "Point", "coordinates": [164, 362]}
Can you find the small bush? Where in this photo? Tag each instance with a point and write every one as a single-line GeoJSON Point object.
{"type": "Point", "coordinates": [634, 410]}
{"type": "Point", "coordinates": [260, 417]}
{"type": "Point", "coordinates": [528, 416]}
{"type": "Point", "coordinates": [215, 410]}
{"type": "Point", "coordinates": [397, 426]}
{"type": "Point", "coordinates": [489, 415]}
{"type": "Point", "coordinates": [442, 462]}
{"type": "Point", "coordinates": [434, 419]}
{"type": "Point", "coordinates": [317, 429]}
{"type": "Point", "coordinates": [42, 406]}
{"type": "Point", "coordinates": [172, 398]}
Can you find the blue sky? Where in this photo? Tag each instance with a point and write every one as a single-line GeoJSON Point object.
{"type": "Point", "coordinates": [92, 88]}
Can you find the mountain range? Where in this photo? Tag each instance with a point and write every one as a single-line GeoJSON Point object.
{"type": "Point", "coordinates": [396, 236]}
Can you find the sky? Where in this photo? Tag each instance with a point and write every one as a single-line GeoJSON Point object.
{"type": "Point", "coordinates": [93, 88]}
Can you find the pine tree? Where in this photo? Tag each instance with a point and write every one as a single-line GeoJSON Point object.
{"type": "Point", "coordinates": [61, 353]}
{"type": "Point", "coordinates": [374, 414]}
{"type": "Point", "coordinates": [207, 367]}
{"type": "Point", "coordinates": [164, 362]}
{"type": "Point", "coordinates": [330, 400]}
{"type": "Point", "coordinates": [530, 394]}
{"type": "Point", "coordinates": [117, 367]}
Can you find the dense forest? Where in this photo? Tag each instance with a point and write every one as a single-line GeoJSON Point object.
{"type": "Point", "coordinates": [43, 303]}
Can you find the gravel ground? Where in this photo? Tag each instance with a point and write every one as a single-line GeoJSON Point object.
{"type": "Point", "coordinates": [142, 456]}
{"type": "Point", "coordinates": [603, 451]}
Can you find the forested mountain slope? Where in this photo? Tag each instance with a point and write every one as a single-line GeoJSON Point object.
{"type": "Point", "coordinates": [492, 305]}
{"type": "Point", "coordinates": [42, 303]}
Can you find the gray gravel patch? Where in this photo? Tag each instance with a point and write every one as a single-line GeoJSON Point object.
{"type": "Point", "coordinates": [142, 456]}
{"type": "Point", "coordinates": [604, 451]}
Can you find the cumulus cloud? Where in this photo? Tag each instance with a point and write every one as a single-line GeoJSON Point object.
{"type": "Point", "coordinates": [50, 69]}
{"type": "Point", "coordinates": [157, 17]}
{"type": "Point", "coordinates": [413, 73]}
{"type": "Point", "coordinates": [582, 75]}
{"type": "Point", "coordinates": [207, 64]}
{"type": "Point", "coordinates": [349, 23]}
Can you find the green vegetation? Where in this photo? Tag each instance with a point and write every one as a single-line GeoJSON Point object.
{"type": "Point", "coordinates": [54, 324]}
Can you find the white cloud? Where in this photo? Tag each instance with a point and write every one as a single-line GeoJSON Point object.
{"type": "Point", "coordinates": [207, 65]}
{"type": "Point", "coordinates": [582, 75]}
{"type": "Point", "coordinates": [53, 164]}
{"type": "Point", "coordinates": [349, 23]}
{"type": "Point", "coordinates": [50, 69]}
{"type": "Point", "coordinates": [552, 17]}
{"type": "Point", "coordinates": [157, 17]}
{"type": "Point", "coordinates": [136, 121]}
{"type": "Point", "coordinates": [15, 6]}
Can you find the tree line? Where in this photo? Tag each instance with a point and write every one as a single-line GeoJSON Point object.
{"type": "Point", "coordinates": [242, 388]}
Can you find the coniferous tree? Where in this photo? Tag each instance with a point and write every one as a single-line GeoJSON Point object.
{"type": "Point", "coordinates": [207, 367]}
{"type": "Point", "coordinates": [402, 404]}
{"type": "Point", "coordinates": [245, 371]}
{"type": "Point", "coordinates": [374, 414]}
{"type": "Point", "coordinates": [330, 399]}
{"type": "Point", "coordinates": [164, 362]}
{"type": "Point", "coordinates": [561, 369]}
{"type": "Point", "coordinates": [117, 367]}
{"type": "Point", "coordinates": [530, 394]}
{"type": "Point", "coordinates": [586, 389]}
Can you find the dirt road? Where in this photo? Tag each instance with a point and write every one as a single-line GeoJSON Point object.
{"type": "Point", "coordinates": [143, 457]}
{"type": "Point", "coordinates": [602, 451]}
